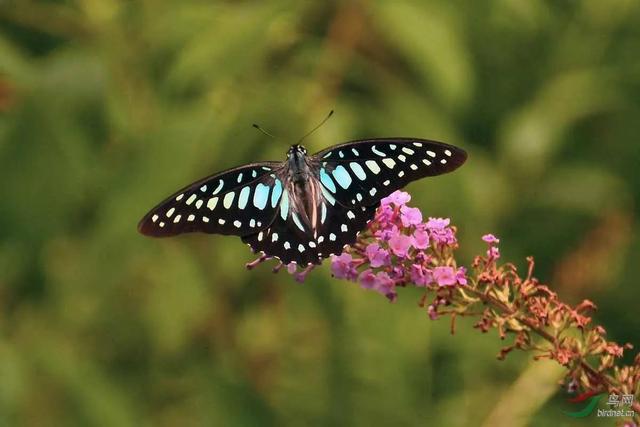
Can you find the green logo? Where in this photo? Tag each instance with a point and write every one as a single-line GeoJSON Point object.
{"type": "Point", "coordinates": [587, 410]}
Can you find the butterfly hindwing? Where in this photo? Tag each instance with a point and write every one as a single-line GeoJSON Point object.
{"type": "Point", "coordinates": [236, 202]}
{"type": "Point", "coordinates": [287, 241]}
{"type": "Point", "coordinates": [362, 172]}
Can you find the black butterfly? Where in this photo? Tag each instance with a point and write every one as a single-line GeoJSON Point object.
{"type": "Point", "coordinates": [305, 208]}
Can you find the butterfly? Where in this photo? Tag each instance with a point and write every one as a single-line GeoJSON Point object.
{"type": "Point", "coordinates": [309, 206]}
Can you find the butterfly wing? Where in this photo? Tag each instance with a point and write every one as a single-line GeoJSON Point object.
{"type": "Point", "coordinates": [238, 202]}
{"type": "Point", "coordinates": [361, 173]}
{"type": "Point", "coordinates": [286, 239]}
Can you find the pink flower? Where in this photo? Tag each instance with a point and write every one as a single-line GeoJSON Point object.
{"type": "Point", "coordinates": [443, 236]}
{"type": "Point", "coordinates": [400, 244]}
{"type": "Point", "coordinates": [384, 216]}
{"type": "Point", "coordinates": [292, 267]}
{"type": "Point", "coordinates": [397, 273]}
{"type": "Point", "coordinates": [420, 276]}
{"type": "Point", "coordinates": [410, 216]}
{"type": "Point", "coordinates": [437, 223]}
{"type": "Point", "coordinates": [432, 311]}
{"type": "Point", "coordinates": [493, 252]}
{"type": "Point", "coordinates": [444, 276]}
{"type": "Point", "coordinates": [398, 198]}
{"type": "Point", "coordinates": [420, 239]}
{"type": "Point", "coordinates": [461, 276]}
{"type": "Point", "coordinates": [367, 279]}
{"type": "Point", "coordinates": [385, 285]}
{"type": "Point", "coordinates": [377, 256]}
{"type": "Point", "coordinates": [387, 233]}
{"type": "Point", "coordinates": [343, 267]}
{"type": "Point", "coordinates": [490, 238]}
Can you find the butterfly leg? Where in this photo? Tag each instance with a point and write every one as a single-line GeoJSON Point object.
{"type": "Point", "coordinates": [253, 264]}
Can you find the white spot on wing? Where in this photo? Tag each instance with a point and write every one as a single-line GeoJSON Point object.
{"type": "Point", "coordinates": [431, 153]}
{"type": "Point", "coordinates": [228, 199]}
{"type": "Point", "coordinates": [177, 219]}
{"type": "Point", "coordinates": [344, 228]}
{"type": "Point", "coordinates": [191, 199]}
{"type": "Point", "coordinates": [447, 152]}
{"type": "Point", "coordinates": [237, 223]}
{"type": "Point", "coordinates": [170, 212]}
{"type": "Point", "coordinates": [154, 218]}
{"type": "Point", "coordinates": [390, 163]}
{"type": "Point", "coordinates": [408, 150]}
{"type": "Point", "coordinates": [218, 188]}
{"type": "Point", "coordinates": [191, 217]}
{"type": "Point", "coordinates": [205, 219]}
{"type": "Point", "coordinates": [179, 197]}
{"type": "Point", "coordinates": [211, 204]}
{"type": "Point", "coordinates": [373, 166]}
{"type": "Point", "coordinates": [378, 152]}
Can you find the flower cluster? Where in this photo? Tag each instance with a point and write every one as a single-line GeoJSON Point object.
{"type": "Point", "coordinates": [400, 248]}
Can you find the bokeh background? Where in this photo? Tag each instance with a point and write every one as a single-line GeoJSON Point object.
{"type": "Point", "coordinates": [108, 106]}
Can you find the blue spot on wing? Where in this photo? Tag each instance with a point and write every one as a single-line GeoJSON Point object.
{"type": "Point", "coordinates": [244, 196]}
{"type": "Point", "coordinates": [296, 220]}
{"type": "Point", "coordinates": [357, 169]}
{"type": "Point", "coordinates": [260, 196]}
{"type": "Point", "coordinates": [275, 194]}
{"type": "Point", "coordinates": [327, 181]}
{"type": "Point", "coordinates": [284, 205]}
{"type": "Point", "coordinates": [328, 195]}
{"type": "Point", "coordinates": [342, 177]}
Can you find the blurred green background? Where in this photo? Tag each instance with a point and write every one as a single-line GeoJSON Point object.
{"type": "Point", "coordinates": [108, 106]}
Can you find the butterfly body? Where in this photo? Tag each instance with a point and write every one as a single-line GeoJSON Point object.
{"type": "Point", "coordinates": [307, 207]}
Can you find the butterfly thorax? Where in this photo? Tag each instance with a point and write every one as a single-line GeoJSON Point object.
{"type": "Point", "coordinates": [305, 191]}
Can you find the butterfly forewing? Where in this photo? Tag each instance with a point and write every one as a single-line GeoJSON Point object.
{"type": "Point", "coordinates": [363, 172]}
{"type": "Point", "coordinates": [238, 201]}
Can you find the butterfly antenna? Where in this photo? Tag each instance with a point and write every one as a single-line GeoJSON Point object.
{"type": "Point", "coordinates": [263, 131]}
{"type": "Point", "coordinates": [317, 127]}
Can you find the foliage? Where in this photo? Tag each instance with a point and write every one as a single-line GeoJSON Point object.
{"type": "Point", "coordinates": [107, 106]}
